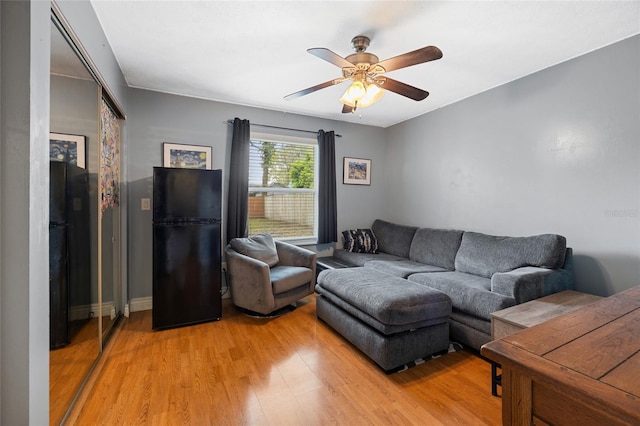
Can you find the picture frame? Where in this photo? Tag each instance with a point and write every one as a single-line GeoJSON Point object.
{"type": "Point", "coordinates": [68, 149]}
{"type": "Point", "coordinates": [186, 156]}
{"type": "Point", "coordinates": [356, 171]}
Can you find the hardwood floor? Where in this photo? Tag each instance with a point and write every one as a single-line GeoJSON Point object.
{"type": "Point", "coordinates": [69, 365]}
{"type": "Point", "coordinates": [291, 370]}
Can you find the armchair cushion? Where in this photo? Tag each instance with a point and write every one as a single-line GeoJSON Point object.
{"type": "Point", "coordinates": [260, 246]}
{"type": "Point", "coordinates": [285, 278]}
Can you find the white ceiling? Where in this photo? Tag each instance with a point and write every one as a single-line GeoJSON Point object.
{"type": "Point", "coordinates": [254, 52]}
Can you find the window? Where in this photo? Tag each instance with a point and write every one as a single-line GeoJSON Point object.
{"type": "Point", "coordinates": [283, 187]}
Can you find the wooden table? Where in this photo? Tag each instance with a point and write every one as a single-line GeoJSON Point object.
{"type": "Point", "coordinates": [581, 368]}
{"type": "Point", "coordinates": [510, 320]}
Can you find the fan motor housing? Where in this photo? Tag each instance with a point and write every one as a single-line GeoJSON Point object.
{"type": "Point", "coordinates": [362, 58]}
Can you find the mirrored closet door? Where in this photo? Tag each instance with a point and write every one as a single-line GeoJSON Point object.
{"type": "Point", "coordinates": [84, 233]}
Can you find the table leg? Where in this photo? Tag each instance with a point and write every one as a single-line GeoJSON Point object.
{"type": "Point", "coordinates": [496, 379]}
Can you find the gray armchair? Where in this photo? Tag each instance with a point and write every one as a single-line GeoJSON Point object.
{"type": "Point", "coordinates": [266, 275]}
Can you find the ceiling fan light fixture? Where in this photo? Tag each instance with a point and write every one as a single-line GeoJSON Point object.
{"type": "Point", "coordinates": [363, 69]}
{"type": "Point", "coordinates": [355, 92]}
{"type": "Point", "coordinates": [374, 93]}
{"type": "Point", "coordinates": [347, 101]}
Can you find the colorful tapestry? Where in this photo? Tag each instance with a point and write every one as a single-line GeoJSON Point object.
{"type": "Point", "coordinates": [109, 158]}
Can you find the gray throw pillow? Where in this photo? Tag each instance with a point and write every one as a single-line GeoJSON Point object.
{"type": "Point", "coordinates": [260, 246]}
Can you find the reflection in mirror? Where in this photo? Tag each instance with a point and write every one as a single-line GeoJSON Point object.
{"type": "Point", "coordinates": [110, 217]}
{"type": "Point", "coordinates": [73, 228]}
{"type": "Point", "coordinates": [110, 271]}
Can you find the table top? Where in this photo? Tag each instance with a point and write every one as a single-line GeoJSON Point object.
{"type": "Point", "coordinates": [594, 350]}
{"type": "Point", "coordinates": [331, 262]}
{"type": "Point", "coordinates": [540, 310]}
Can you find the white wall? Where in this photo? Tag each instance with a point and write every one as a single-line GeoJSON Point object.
{"type": "Point", "coordinates": [555, 152]}
{"type": "Point", "coordinates": [155, 118]}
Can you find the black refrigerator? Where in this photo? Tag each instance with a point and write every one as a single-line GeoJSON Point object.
{"type": "Point", "coordinates": [187, 266]}
{"type": "Point", "coordinates": [69, 247]}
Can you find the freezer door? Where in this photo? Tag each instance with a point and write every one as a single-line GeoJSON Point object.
{"type": "Point", "coordinates": [58, 287]}
{"type": "Point", "coordinates": [57, 192]}
{"type": "Point", "coordinates": [180, 194]}
{"type": "Point", "coordinates": [186, 274]}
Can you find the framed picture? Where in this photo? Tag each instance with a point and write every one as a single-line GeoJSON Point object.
{"type": "Point", "coordinates": [357, 171]}
{"type": "Point", "coordinates": [67, 148]}
{"type": "Point", "coordinates": [186, 156]}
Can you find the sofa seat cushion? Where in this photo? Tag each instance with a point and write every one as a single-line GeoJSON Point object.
{"type": "Point", "coordinates": [484, 255]}
{"type": "Point", "coordinates": [285, 278]}
{"type": "Point", "coordinates": [359, 259]}
{"type": "Point", "coordinates": [389, 300]}
{"type": "Point", "coordinates": [401, 268]}
{"type": "Point", "coordinates": [437, 247]}
{"type": "Point", "coordinates": [469, 293]}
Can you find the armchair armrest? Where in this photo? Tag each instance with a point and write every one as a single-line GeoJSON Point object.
{"type": "Point", "coordinates": [250, 281]}
{"type": "Point", "coordinates": [523, 284]}
{"type": "Point", "coordinates": [292, 255]}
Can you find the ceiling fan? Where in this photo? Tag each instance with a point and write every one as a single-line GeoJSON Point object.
{"type": "Point", "coordinates": [364, 70]}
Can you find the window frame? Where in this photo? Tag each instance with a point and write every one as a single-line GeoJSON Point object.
{"type": "Point", "coordinates": [295, 140]}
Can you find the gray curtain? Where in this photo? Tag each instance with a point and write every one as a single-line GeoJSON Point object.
{"type": "Point", "coordinates": [238, 197]}
{"type": "Point", "coordinates": [327, 208]}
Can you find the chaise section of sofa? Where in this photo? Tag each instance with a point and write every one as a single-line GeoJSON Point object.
{"type": "Point", "coordinates": [393, 321]}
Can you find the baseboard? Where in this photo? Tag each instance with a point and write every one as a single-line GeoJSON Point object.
{"type": "Point", "coordinates": [82, 312]}
{"type": "Point", "coordinates": [140, 304]}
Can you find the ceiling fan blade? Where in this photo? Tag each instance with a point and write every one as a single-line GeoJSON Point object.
{"type": "Point", "coordinates": [402, 88]}
{"type": "Point", "coordinates": [346, 109]}
{"type": "Point", "coordinates": [330, 56]}
{"type": "Point", "coordinates": [426, 54]}
{"type": "Point", "coordinates": [314, 88]}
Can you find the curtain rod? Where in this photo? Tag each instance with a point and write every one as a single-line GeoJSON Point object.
{"type": "Point", "coordinates": [282, 128]}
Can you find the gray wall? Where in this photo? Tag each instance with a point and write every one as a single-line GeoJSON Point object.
{"type": "Point", "coordinates": [555, 152]}
{"type": "Point", "coordinates": [85, 24]}
{"type": "Point", "coordinates": [24, 213]}
{"type": "Point", "coordinates": [155, 118]}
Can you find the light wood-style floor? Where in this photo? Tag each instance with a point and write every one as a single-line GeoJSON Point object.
{"type": "Point", "coordinates": [291, 370]}
{"type": "Point", "coordinates": [70, 364]}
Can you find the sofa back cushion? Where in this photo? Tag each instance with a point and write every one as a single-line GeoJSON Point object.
{"type": "Point", "coordinates": [393, 238]}
{"type": "Point", "coordinates": [260, 246]}
{"type": "Point", "coordinates": [484, 255]}
{"type": "Point", "coordinates": [436, 247]}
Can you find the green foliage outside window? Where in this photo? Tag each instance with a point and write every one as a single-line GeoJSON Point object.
{"type": "Point", "coordinates": [301, 173]}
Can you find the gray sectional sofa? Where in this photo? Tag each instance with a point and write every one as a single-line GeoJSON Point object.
{"type": "Point", "coordinates": [478, 273]}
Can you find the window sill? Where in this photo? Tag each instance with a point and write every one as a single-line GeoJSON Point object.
{"type": "Point", "coordinates": [299, 241]}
